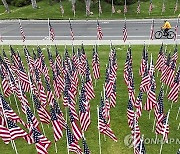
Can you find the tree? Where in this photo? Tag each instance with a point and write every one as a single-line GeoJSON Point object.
{"type": "Point", "coordinates": [6, 6]}
{"type": "Point", "coordinates": [34, 4]}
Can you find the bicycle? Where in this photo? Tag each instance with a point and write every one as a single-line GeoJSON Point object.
{"type": "Point", "coordinates": [160, 33]}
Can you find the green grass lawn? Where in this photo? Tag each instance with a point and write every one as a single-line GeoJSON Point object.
{"type": "Point", "coordinates": [118, 114]}
{"type": "Point", "coordinates": [53, 12]}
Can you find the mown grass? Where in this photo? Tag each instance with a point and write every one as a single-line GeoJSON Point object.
{"type": "Point", "coordinates": [118, 114]}
{"type": "Point", "coordinates": [53, 12]}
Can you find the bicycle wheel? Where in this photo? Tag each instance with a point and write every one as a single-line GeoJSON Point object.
{"type": "Point", "coordinates": [158, 34]}
{"type": "Point", "coordinates": [170, 35]}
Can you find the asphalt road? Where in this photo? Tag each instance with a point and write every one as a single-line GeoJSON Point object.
{"type": "Point", "coordinates": [83, 30]}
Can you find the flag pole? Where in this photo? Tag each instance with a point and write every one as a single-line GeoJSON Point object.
{"type": "Point", "coordinates": [49, 29]}
{"type": "Point", "coordinates": [55, 147]}
{"type": "Point", "coordinates": [67, 134]}
{"type": "Point", "coordinates": [178, 113]}
{"type": "Point", "coordinates": [178, 126]}
{"type": "Point", "coordinates": [98, 130]}
{"type": "Point", "coordinates": [164, 132]}
{"type": "Point", "coordinates": [104, 93]}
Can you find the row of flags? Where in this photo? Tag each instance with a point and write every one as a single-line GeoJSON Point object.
{"type": "Point", "coordinates": [166, 64]}
{"type": "Point", "coordinates": [100, 35]}
{"type": "Point", "coordinates": [16, 80]}
{"type": "Point", "coordinates": [138, 10]}
{"type": "Point", "coordinates": [67, 74]}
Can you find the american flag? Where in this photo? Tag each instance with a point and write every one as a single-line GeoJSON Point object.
{"type": "Point", "coordinates": [173, 94]}
{"type": "Point", "coordinates": [59, 114]}
{"type": "Point", "coordinates": [51, 31]}
{"type": "Point", "coordinates": [5, 134]}
{"type": "Point", "coordinates": [95, 64]}
{"type": "Point", "coordinates": [85, 146]}
{"type": "Point", "coordinates": [176, 32]}
{"type": "Point", "coordinates": [140, 148]}
{"type": "Point", "coordinates": [171, 73]}
{"type": "Point", "coordinates": [125, 7]}
{"type": "Point", "coordinates": [88, 84]}
{"type": "Point", "coordinates": [32, 120]}
{"type": "Point", "coordinates": [125, 34]}
{"type": "Point", "coordinates": [150, 6]}
{"type": "Point", "coordinates": [152, 31]}
{"type": "Point", "coordinates": [176, 6]}
{"type": "Point", "coordinates": [99, 31]}
{"type": "Point", "coordinates": [75, 128]}
{"type": "Point", "coordinates": [58, 134]}
{"type": "Point", "coordinates": [151, 97]}
{"type": "Point", "coordinates": [5, 83]}
{"type": "Point", "coordinates": [84, 110]}
{"type": "Point", "coordinates": [72, 143]}
{"type": "Point", "coordinates": [9, 113]}
{"type": "Point", "coordinates": [138, 105]}
{"type": "Point", "coordinates": [42, 112]}
{"type": "Point", "coordinates": [113, 96]}
{"type": "Point", "coordinates": [165, 127]}
{"type": "Point", "coordinates": [160, 59]}
{"type": "Point", "coordinates": [50, 94]}
{"type": "Point", "coordinates": [139, 7]}
{"type": "Point", "coordinates": [15, 130]}
{"type": "Point", "coordinates": [144, 62]}
{"type": "Point", "coordinates": [22, 32]}
{"type": "Point", "coordinates": [71, 30]}
{"type": "Point", "coordinates": [166, 69]}
{"type": "Point", "coordinates": [103, 127]}
{"type": "Point", "coordinates": [135, 130]}
{"type": "Point", "coordinates": [159, 110]}
{"type": "Point", "coordinates": [130, 113]}
{"type": "Point", "coordinates": [41, 142]}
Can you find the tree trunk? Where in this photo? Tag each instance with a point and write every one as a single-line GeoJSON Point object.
{"type": "Point", "coordinates": [34, 4]}
{"type": "Point", "coordinates": [6, 6]}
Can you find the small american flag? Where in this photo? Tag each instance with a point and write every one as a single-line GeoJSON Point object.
{"type": "Point", "coordinates": [51, 31]}
{"type": "Point", "coordinates": [95, 65]}
{"type": "Point", "coordinates": [125, 34]}
{"type": "Point", "coordinates": [152, 31]}
{"type": "Point", "coordinates": [72, 143]}
{"type": "Point", "coordinates": [41, 142]}
{"type": "Point", "coordinates": [139, 7]}
{"type": "Point", "coordinates": [58, 134]}
{"type": "Point", "coordinates": [103, 127]}
{"type": "Point", "coordinates": [85, 146]}
{"type": "Point", "coordinates": [5, 134]}
{"type": "Point", "coordinates": [173, 94]}
{"type": "Point", "coordinates": [150, 6]}
{"type": "Point", "coordinates": [99, 31]}
{"type": "Point", "coordinates": [71, 30]}
{"type": "Point", "coordinates": [22, 32]}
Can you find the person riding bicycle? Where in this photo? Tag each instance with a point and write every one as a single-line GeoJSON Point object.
{"type": "Point", "coordinates": [166, 27]}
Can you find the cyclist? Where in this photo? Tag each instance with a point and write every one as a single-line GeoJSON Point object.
{"type": "Point", "coordinates": [166, 27]}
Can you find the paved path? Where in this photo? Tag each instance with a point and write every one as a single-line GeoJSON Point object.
{"type": "Point", "coordinates": [36, 31]}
